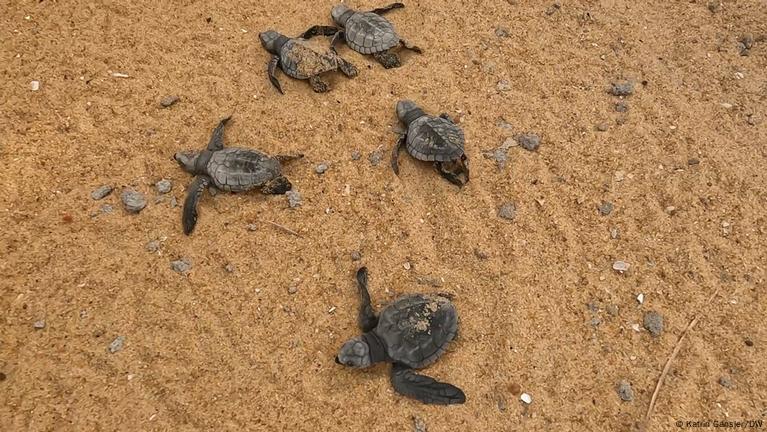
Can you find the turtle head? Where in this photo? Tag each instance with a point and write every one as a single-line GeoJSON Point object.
{"type": "Point", "coordinates": [187, 160]}
{"type": "Point", "coordinates": [407, 111]}
{"type": "Point", "coordinates": [341, 13]}
{"type": "Point", "coordinates": [272, 41]}
{"type": "Point", "coordinates": [354, 353]}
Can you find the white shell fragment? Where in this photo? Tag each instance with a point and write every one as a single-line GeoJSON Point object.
{"type": "Point", "coordinates": [640, 298]}
{"type": "Point", "coordinates": [120, 75]}
{"type": "Point", "coordinates": [35, 85]}
{"type": "Point", "coordinates": [526, 398]}
{"type": "Point", "coordinates": [621, 266]}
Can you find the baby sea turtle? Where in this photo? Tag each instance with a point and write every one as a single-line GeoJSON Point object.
{"type": "Point", "coordinates": [430, 138]}
{"type": "Point", "coordinates": [298, 59]}
{"type": "Point", "coordinates": [229, 169]}
{"type": "Point", "coordinates": [370, 33]}
{"type": "Point", "coordinates": [411, 333]}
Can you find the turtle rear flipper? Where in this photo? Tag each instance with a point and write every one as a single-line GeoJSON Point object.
{"type": "Point", "coordinates": [411, 47]}
{"type": "Point", "coordinates": [387, 59]}
{"type": "Point", "coordinates": [347, 68]}
{"type": "Point", "coordinates": [423, 388]}
{"type": "Point", "coordinates": [367, 319]}
{"type": "Point", "coordinates": [456, 172]}
{"type": "Point", "coordinates": [189, 214]}
{"type": "Point", "coordinates": [319, 30]}
{"type": "Point", "coordinates": [277, 186]}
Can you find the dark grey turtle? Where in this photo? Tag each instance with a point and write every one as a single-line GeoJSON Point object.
{"type": "Point", "coordinates": [410, 333]}
{"type": "Point", "coordinates": [370, 33]}
{"type": "Point", "coordinates": [229, 169]}
{"type": "Point", "coordinates": [430, 138]}
{"type": "Point", "coordinates": [298, 59]}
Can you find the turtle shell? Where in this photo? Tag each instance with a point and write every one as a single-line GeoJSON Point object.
{"type": "Point", "coordinates": [235, 169]}
{"type": "Point", "coordinates": [434, 139]}
{"type": "Point", "coordinates": [368, 33]}
{"type": "Point", "coordinates": [300, 60]}
{"type": "Point", "coordinates": [417, 328]}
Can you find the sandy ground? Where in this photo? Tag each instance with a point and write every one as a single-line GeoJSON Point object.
{"type": "Point", "coordinates": [542, 310]}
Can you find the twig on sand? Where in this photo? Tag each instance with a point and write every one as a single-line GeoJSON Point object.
{"type": "Point", "coordinates": [284, 228]}
{"type": "Point", "coordinates": [646, 422]}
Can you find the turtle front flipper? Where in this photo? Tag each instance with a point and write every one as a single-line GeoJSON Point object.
{"type": "Point", "coordinates": [395, 153]}
{"type": "Point", "coordinates": [217, 138]}
{"type": "Point", "coordinates": [288, 158]}
{"type": "Point", "coordinates": [423, 388]}
{"type": "Point", "coordinates": [387, 59]}
{"type": "Point", "coordinates": [319, 30]}
{"type": "Point", "coordinates": [271, 70]}
{"type": "Point", "coordinates": [389, 8]}
{"type": "Point", "coordinates": [277, 186]}
{"type": "Point", "coordinates": [367, 319]}
{"type": "Point", "coordinates": [189, 214]}
{"type": "Point", "coordinates": [340, 35]}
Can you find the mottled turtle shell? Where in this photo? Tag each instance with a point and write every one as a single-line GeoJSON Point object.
{"type": "Point", "coordinates": [417, 328]}
{"type": "Point", "coordinates": [368, 33]}
{"type": "Point", "coordinates": [300, 60]}
{"type": "Point", "coordinates": [434, 139]}
{"type": "Point", "coordinates": [236, 169]}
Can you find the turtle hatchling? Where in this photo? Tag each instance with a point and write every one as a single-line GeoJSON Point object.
{"type": "Point", "coordinates": [410, 333]}
{"type": "Point", "coordinates": [229, 169]}
{"type": "Point", "coordinates": [430, 138]}
{"type": "Point", "coordinates": [299, 59]}
{"type": "Point", "coordinates": [370, 33]}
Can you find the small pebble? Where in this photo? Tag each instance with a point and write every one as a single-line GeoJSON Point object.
{"type": "Point", "coordinates": [106, 209]}
{"type": "Point", "coordinates": [479, 253]}
{"type": "Point", "coordinates": [321, 168]}
{"type": "Point", "coordinates": [515, 389]}
{"type": "Point", "coordinates": [553, 8]}
{"type": "Point", "coordinates": [251, 227]}
{"type": "Point", "coordinates": [419, 425]}
{"type": "Point", "coordinates": [2, 376]}
{"type": "Point", "coordinates": [653, 322]}
{"type": "Point", "coordinates": [375, 157]}
{"type": "Point", "coordinates": [34, 85]}
{"type": "Point", "coordinates": [614, 233]}
{"type": "Point", "coordinates": [356, 255]}
{"type": "Point", "coordinates": [356, 155]}
{"type": "Point", "coordinates": [621, 106]}
{"type": "Point", "coordinates": [603, 127]}
{"type": "Point", "coordinates": [39, 324]}
{"type": "Point", "coordinates": [181, 266]}
{"type": "Point", "coordinates": [101, 192]}
{"type": "Point", "coordinates": [726, 382]}
{"type": "Point", "coordinates": [292, 289]}
{"type": "Point", "coordinates": [670, 210]}
{"type": "Point", "coordinates": [621, 88]}
{"type": "Point", "coordinates": [168, 101]}
{"type": "Point", "coordinates": [503, 85]}
{"type": "Point", "coordinates": [406, 266]}
{"type": "Point", "coordinates": [507, 211]}
{"type": "Point", "coordinates": [621, 266]}
{"type": "Point", "coordinates": [153, 246]}
{"type": "Point", "coordinates": [173, 202]}
{"type": "Point", "coordinates": [636, 327]}
{"type": "Point", "coordinates": [133, 201]}
{"type": "Point", "coordinates": [117, 344]}
{"type": "Point", "coordinates": [606, 208]}
{"type": "Point", "coordinates": [529, 141]}
{"type": "Point", "coordinates": [748, 342]}
{"type": "Point", "coordinates": [526, 398]}
{"type": "Point", "coordinates": [625, 392]}
{"type": "Point", "coordinates": [294, 198]}
{"type": "Point", "coordinates": [501, 32]}
{"type": "Point", "coordinates": [640, 298]}
{"type": "Point", "coordinates": [230, 268]}
{"type": "Point", "coordinates": [612, 309]}
{"type": "Point", "coordinates": [163, 186]}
